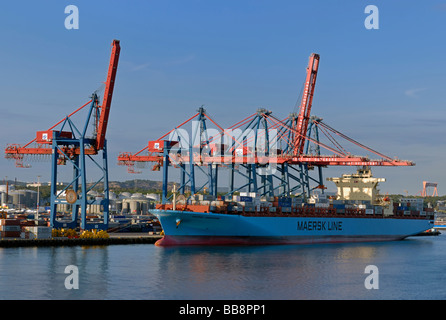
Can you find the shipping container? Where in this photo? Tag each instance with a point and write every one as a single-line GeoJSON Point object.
{"type": "Point", "coordinates": [38, 232]}
{"type": "Point", "coordinates": [245, 199]}
{"type": "Point", "coordinates": [10, 228]}
{"type": "Point", "coordinates": [378, 210]}
{"type": "Point", "coordinates": [10, 222]}
{"type": "Point", "coordinates": [285, 200]}
{"type": "Point", "coordinates": [10, 234]}
{"type": "Point", "coordinates": [284, 204]}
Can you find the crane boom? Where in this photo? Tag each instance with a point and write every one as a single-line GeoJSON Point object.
{"type": "Point", "coordinates": [305, 106]}
{"type": "Point", "coordinates": [108, 94]}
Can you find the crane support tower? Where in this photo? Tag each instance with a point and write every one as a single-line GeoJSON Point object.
{"type": "Point", "coordinates": [262, 153]}
{"type": "Point", "coordinates": [78, 146]}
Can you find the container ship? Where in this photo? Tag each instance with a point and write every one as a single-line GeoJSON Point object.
{"type": "Point", "coordinates": [273, 158]}
{"type": "Point", "coordinates": [357, 213]}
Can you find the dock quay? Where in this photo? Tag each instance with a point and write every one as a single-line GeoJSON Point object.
{"type": "Point", "coordinates": [114, 238]}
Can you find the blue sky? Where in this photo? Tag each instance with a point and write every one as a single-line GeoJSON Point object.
{"type": "Point", "coordinates": [384, 88]}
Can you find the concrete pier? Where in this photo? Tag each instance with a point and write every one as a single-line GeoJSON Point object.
{"type": "Point", "coordinates": [115, 238]}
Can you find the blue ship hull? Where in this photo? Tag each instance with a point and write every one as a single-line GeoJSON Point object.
{"type": "Point", "coordinates": [195, 228]}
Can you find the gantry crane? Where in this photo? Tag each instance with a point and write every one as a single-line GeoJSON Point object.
{"type": "Point", "coordinates": [270, 156]}
{"type": "Point", "coordinates": [73, 145]}
{"type": "Point", "coordinates": [426, 185]}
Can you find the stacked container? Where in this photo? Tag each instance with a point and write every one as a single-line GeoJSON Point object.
{"type": "Point", "coordinates": [37, 232]}
{"type": "Point", "coordinates": [10, 228]}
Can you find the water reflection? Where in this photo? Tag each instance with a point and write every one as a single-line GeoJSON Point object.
{"type": "Point", "coordinates": [334, 271]}
{"type": "Point", "coordinates": [38, 273]}
{"type": "Point", "coordinates": [275, 272]}
{"type": "Point", "coordinates": [282, 272]}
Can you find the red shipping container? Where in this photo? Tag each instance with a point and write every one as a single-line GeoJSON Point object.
{"type": "Point", "coordinates": [27, 223]}
{"type": "Point", "coordinates": [10, 234]}
{"type": "Point", "coordinates": [9, 222]}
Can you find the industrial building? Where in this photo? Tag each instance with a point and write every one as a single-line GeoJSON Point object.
{"type": "Point", "coordinates": [18, 199]}
{"type": "Point", "coordinates": [124, 203]}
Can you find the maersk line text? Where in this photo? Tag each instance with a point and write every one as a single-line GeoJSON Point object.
{"type": "Point", "coordinates": [319, 225]}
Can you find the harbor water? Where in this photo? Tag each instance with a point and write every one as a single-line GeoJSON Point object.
{"type": "Point", "coordinates": [409, 269]}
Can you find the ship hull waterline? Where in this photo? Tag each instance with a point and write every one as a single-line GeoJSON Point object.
{"type": "Point", "coordinates": [195, 228]}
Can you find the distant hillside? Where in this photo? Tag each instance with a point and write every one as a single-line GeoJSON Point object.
{"type": "Point", "coordinates": [132, 186]}
{"type": "Point", "coordinates": [148, 185]}
{"type": "Point", "coordinates": [139, 185]}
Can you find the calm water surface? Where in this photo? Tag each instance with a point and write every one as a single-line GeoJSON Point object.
{"type": "Point", "coordinates": [409, 269]}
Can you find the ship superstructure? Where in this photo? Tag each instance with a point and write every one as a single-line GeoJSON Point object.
{"type": "Point", "coordinates": [358, 186]}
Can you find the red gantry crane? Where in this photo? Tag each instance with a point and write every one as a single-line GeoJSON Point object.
{"type": "Point", "coordinates": [76, 145]}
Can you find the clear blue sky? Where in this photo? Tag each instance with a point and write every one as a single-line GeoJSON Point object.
{"type": "Point", "coordinates": [384, 88]}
